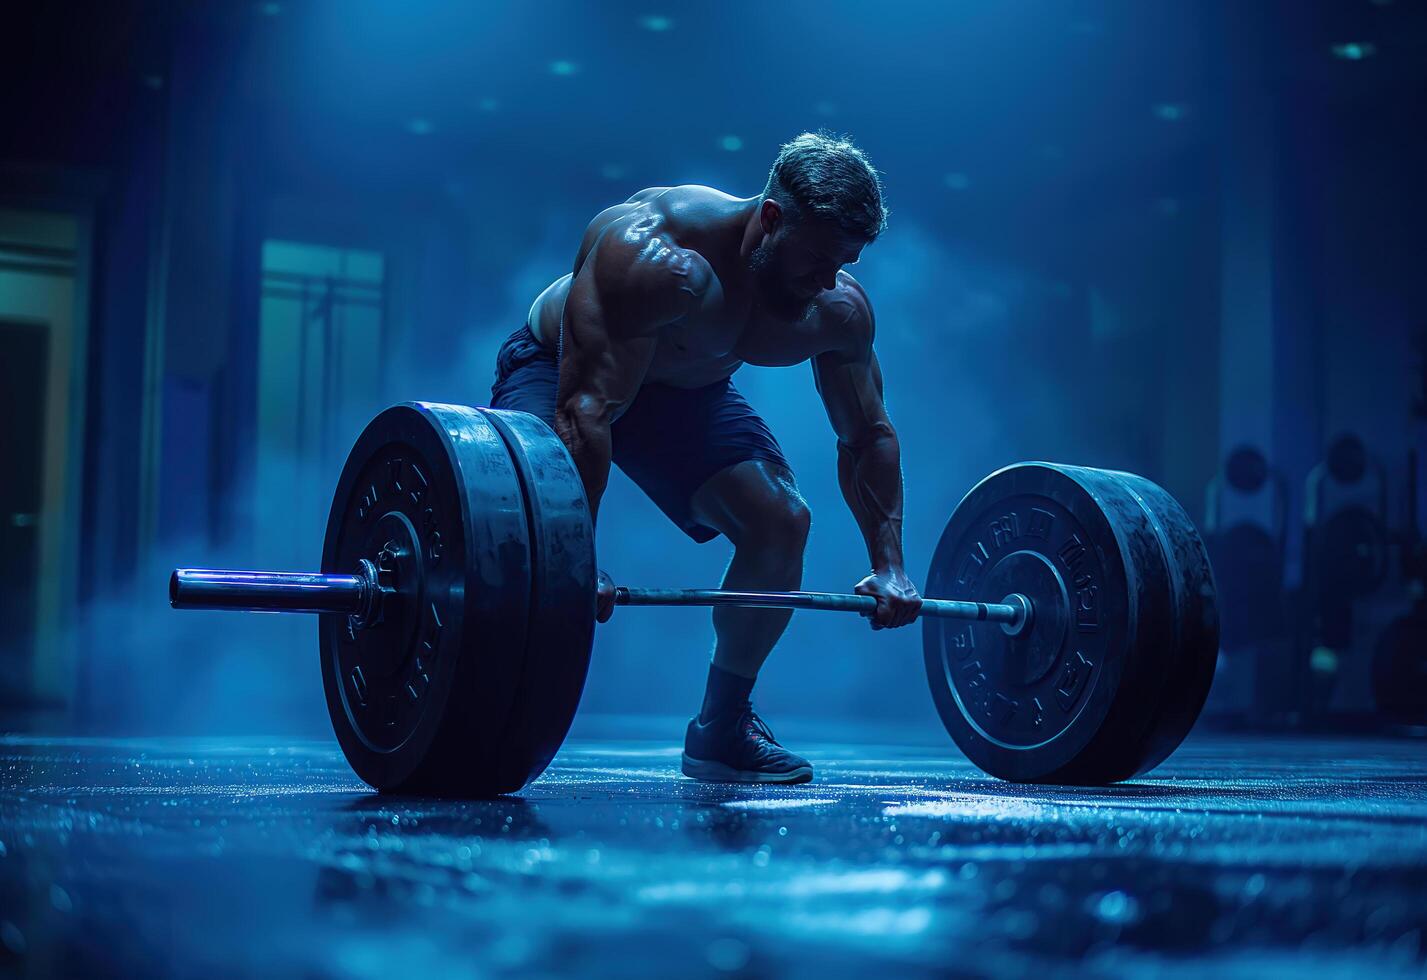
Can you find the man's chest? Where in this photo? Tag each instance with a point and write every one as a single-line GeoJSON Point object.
{"type": "Point", "coordinates": [741, 336]}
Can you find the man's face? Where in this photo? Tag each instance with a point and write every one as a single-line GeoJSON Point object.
{"type": "Point", "coordinates": [791, 266]}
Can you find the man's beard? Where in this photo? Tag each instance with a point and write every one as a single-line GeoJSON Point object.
{"type": "Point", "coordinates": [777, 298]}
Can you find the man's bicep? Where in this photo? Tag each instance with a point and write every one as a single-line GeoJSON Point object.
{"type": "Point", "coordinates": [851, 391]}
{"type": "Point", "coordinates": [603, 357]}
{"type": "Point", "coordinates": [848, 377]}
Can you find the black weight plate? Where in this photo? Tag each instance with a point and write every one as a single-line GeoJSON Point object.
{"type": "Point", "coordinates": [1248, 566]}
{"type": "Point", "coordinates": [1127, 742]}
{"type": "Point", "coordinates": [562, 596]}
{"type": "Point", "coordinates": [1089, 717]}
{"type": "Point", "coordinates": [421, 701]}
{"type": "Point", "coordinates": [1194, 597]}
{"type": "Point", "coordinates": [1350, 553]}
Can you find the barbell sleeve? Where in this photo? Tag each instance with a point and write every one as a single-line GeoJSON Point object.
{"type": "Point", "coordinates": [255, 591]}
{"type": "Point", "coordinates": [1011, 613]}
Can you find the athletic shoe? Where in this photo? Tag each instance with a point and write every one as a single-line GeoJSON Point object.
{"type": "Point", "coordinates": [740, 748]}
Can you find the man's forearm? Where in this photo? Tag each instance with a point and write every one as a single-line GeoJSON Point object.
{"type": "Point", "coordinates": [586, 435]}
{"type": "Point", "coordinates": [870, 474]}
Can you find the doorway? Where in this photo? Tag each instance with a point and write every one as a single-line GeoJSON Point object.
{"type": "Point", "coordinates": [41, 398]}
{"type": "Point", "coordinates": [22, 447]}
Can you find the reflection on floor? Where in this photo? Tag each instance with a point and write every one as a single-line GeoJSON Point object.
{"type": "Point", "coordinates": [1251, 857]}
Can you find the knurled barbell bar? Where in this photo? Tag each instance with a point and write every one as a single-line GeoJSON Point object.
{"type": "Point", "coordinates": [362, 596]}
{"type": "Point", "coordinates": [457, 610]}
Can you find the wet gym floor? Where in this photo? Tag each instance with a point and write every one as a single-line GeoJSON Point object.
{"type": "Point", "coordinates": [1252, 857]}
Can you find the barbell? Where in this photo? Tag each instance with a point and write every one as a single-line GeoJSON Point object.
{"type": "Point", "coordinates": [456, 606]}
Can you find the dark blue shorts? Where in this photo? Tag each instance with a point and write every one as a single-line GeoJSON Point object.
{"type": "Point", "coordinates": [669, 441]}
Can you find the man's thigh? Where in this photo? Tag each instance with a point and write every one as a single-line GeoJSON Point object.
{"type": "Point", "coordinates": [673, 441]}
{"type": "Point", "coordinates": [751, 501]}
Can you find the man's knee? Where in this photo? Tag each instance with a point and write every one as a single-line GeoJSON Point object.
{"type": "Point", "coordinates": [779, 526]}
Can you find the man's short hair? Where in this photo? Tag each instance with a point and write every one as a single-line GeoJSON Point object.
{"type": "Point", "coordinates": [824, 176]}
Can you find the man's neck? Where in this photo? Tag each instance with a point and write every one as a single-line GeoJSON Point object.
{"type": "Point", "coordinates": [751, 227]}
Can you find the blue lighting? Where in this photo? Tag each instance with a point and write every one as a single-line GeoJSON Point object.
{"type": "Point", "coordinates": [1354, 51]}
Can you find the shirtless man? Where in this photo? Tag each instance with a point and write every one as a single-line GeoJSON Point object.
{"type": "Point", "coordinates": [630, 357]}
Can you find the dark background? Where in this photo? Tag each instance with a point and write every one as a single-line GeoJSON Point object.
{"type": "Point", "coordinates": [1133, 235]}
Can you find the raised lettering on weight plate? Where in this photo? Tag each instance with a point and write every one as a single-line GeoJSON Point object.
{"type": "Point", "coordinates": [1004, 709]}
{"type": "Point", "coordinates": [416, 686]}
{"type": "Point", "coordinates": [359, 686]}
{"type": "Point", "coordinates": [417, 484]}
{"type": "Point", "coordinates": [973, 675]}
{"type": "Point", "coordinates": [972, 564]}
{"type": "Point", "coordinates": [1040, 524]}
{"type": "Point", "coordinates": [431, 635]}
{"type": "Point", "coordinates": [974, 686]}
{"type": "Point", "coordinates": [1087, 593]}
{"type": "Point", "coordinates": [1072, 554]}
{"type": "Point", "coordinates": [1087, 608]}
{"type": "Point", "coordinates": [1004, 529]}
{"type": "Point", "coordinates": [1073, 675]}
{"type": "Point", "coordinates": [963, 641]}
{"type": "Point", "coordinates": [368, 504]}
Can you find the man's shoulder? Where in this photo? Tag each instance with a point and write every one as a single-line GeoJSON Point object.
{"type": "Point", "coordinates": [648, 194]}
{"type": "Point", "coordinates": [846, 313]}
{"type": "Point", "coordinates": [684, 196]}
{"type": "Point", "coordinates": [641, 248]}
{"type": "Point", "coordinates": [685, 210]}
{"type": "Point", "coordinates": [639, 261]}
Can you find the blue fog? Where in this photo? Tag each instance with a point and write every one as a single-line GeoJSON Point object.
{"type": "Point", "coordinates": [1045, 289]}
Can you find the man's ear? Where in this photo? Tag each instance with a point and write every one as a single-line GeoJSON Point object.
{"type": "Point", "coordinates": [770, 216]}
